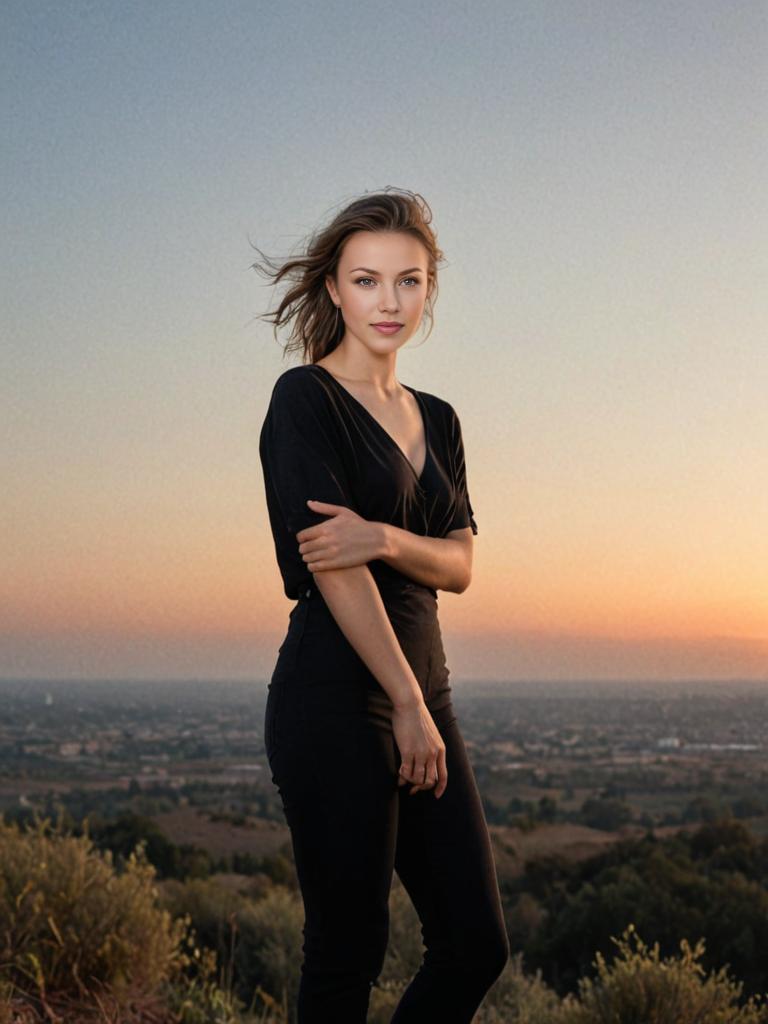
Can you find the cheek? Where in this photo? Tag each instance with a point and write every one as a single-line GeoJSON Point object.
{"type": "Point", "coordinates": [414, 301]}
{"type": "Point", "coordinates": [356, 302]}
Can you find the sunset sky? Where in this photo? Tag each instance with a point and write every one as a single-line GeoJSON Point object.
{"type": "Point", "coordinates": [597, 177]}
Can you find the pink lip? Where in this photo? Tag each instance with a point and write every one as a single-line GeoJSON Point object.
{"type": "Point", "coordinates": [387, 328]}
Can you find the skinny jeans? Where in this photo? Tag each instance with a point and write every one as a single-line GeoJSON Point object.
{"type": "Point", "coordinates": [333, 757]}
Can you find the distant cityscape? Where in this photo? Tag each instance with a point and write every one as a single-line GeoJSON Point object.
{"type": "Point", "coordinates": [665, 750]}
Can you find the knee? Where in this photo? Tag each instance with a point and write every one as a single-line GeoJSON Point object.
{"type": "Point", "coordinates": [490, 957]}
{"type": "Point", "coordinates": [500, 959]}
{"type": "Point", "coordinates": [352, 951]}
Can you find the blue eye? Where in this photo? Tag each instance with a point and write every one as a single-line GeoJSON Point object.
{"type": "Point", "coordinates": [360, 280]}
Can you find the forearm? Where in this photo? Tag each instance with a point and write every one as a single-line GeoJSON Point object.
{"type": "Point", "coordinates": [356, 605]}
{"type": "Point", "coordinates": [438, 562]}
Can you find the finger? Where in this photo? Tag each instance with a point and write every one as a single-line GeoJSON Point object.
{"type": "Point", "coordinates": [323, 504]}
{"type": "Point", "coordinates": [405, 772]}
{"type": "Point", "coordinates": [311, 554]}
{"type": "Point", "coordinates": [430, 773]}
{"type": "Point", "coordinates": [412, 775]}
{"type": "Point", "coordinates": [420, 778]}
{"type": "Point", "coordinates": [418, 789]}
{"type": "Point", "coordinates": [442, 774]}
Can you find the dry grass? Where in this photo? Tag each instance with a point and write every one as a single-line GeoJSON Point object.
{"type": "Point", "coordinates": [82, 941]}
{"type": "Point", "coordinates": [219, 838]}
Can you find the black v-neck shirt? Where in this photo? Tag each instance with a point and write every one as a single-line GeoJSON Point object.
{"type": "Point", "coordinates": [318, 441]}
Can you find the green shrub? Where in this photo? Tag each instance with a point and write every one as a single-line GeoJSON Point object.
{"type": "Point", "coordinates": [710, 884]}
{"type": "Point", "coordinates": [257, 942]}
{"type": "Point", "coordinates": [76, 934]}
{"type": "Point", "coordinates": [641, 988]}
{"type": "Point", "coordinates": [519, 998]}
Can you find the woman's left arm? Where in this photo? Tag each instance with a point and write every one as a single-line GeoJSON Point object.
{"type": "Point", "coordinates": [345, 539]}
{"type": "Point", "coordinates": [444, 563]}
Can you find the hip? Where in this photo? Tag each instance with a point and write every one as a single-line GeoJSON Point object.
{"type": "Point", "coordinates": [317, 660]}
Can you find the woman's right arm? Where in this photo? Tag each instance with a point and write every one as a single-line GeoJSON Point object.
{"type": "Point", "coordinates": [355, 603]}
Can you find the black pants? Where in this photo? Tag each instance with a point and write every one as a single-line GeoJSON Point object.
{"type": "Point", "coordinates": [333, 757]}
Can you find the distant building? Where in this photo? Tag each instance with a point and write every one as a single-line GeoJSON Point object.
{"type": "Point", "coordinates": [668, 743]}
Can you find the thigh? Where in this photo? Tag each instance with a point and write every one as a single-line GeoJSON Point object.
{"type": "Point", "coordinates": [445, 860]}
{"type": "Point", "coordinates": [334, 764]}
{"type": "Point", "coordinates": [344, 810]}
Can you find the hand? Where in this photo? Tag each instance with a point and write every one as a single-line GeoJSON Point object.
{"type": "Point", "coordinates": [422, 750]}
{"type": "Point", "coordinates": [344, 540]}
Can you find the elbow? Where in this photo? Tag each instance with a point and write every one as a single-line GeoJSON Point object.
{"type": "Point", "coordinates": [461, 569]}
{"type": "Point", "coordinates": [466, 575]}
{"type": "Point", "coordinates": [463, 572]}
{"type": "Point", "coordinates": [464, 583]}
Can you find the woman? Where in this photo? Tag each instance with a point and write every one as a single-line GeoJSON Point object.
{"type": "Point", "coordinates": [367, 499]}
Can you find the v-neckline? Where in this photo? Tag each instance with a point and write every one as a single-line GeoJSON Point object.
{"type": "Point", "coordinates": [418, 476]}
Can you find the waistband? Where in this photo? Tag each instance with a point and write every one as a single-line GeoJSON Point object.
{"type": "Point", "coordinates": [308, 590]}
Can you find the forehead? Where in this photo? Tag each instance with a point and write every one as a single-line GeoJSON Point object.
{"type": "Point", "coordinates": [383, 250]}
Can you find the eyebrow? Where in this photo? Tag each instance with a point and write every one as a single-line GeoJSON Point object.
{"type": "Point", "coordinates": [368, 270]}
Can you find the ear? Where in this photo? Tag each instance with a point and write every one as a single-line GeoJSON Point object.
{"type": "Point", "coordinates": [330, 284]}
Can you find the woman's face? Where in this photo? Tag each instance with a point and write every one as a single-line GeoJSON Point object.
{"type": "Point", "coordinates": [382, 277]}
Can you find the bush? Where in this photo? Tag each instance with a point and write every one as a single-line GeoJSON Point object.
{"type": "Point", "coordinates": [519, 998]}
{"type": "Point", "coordinates": [75, 934]}
{"type": "Point", "coordinates": [257, 942]}
{"type": "Point", "coordinates": [709, 885]}
{"type": "Point", "coordinates": [640, 987]}
{"type": "Point", "coordinates": [605, 813]}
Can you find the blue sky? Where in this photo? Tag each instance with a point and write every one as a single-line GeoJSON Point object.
{"type": "Point", "coordinates": [596, 173]}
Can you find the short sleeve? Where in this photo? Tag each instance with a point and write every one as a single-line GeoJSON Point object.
{"type": "Point", "coordinates": [300, 452]}
{"type": "Point", "coordinates": [464, 515]}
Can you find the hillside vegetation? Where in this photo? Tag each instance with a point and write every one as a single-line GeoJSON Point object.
{"type": "Point", "coordinates": [89, 935]}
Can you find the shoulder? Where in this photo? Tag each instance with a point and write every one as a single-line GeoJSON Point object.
{"type": "Point", "coordinates": [300, 387]}
{"type": "Point", "coordinates": [441, 410]}
{"type": "Point", "coordinates": [298, 380]}
{"type": "Point", "coordinates": [301, 401]}
{"type": "Point", "coordinates": [435, 404]}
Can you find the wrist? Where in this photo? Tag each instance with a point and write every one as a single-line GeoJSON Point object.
{"type": "Point", "coordinates": [386, 542]}
{"type": "Point", "coordinates": [409, 701]}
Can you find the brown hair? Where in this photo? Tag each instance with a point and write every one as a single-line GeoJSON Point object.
{"type": "Point", "coordinates": [317, 329]}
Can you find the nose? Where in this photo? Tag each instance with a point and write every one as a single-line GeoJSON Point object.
{"type": "Point", "coordinates": [388, 298]}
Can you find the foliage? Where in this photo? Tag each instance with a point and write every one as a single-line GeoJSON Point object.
{"type": "Point", "coordinates": [75, 933]}
{"type": "Point", "coordinates": [709, 885]}
{"type": "Point", "coordinates": [519, 998]}
{"type": "Point", "coordinates": [606, 813]}
{"type": "Point", "coordinates": [640, 987]}
{"type": "Point", "coordinates": [257, 943]}
{"type": "Point", "coordinates": [85, 935]}
{"type": "Point", "coordinates": [122, 834]}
